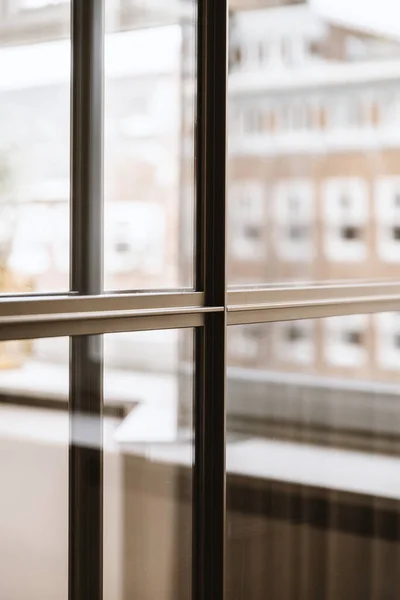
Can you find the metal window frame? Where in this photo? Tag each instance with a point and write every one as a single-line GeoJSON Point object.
{"type": "Point", "coordinates": [24, 317]}
{"type": "Point", "coordinates": [86, 312]}
{"type": "Point", "coordinates": [85, 489]}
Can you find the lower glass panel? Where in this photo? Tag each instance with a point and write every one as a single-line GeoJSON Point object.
{"type": "Point", "coordinates": [148, 465]}
{"type": "Point", "coordinates": [34, 469]}
{"type": "Point", "coordinates": [313, 459]}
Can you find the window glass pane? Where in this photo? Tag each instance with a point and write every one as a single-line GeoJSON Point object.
{"type": "Point", "coordinates": [34, 437]}
{"type": "Point", "coordinates": [34, 145]}
{"type": "Point", "coordinates": [313, 458]}
{"type": "Point", "coordinates": [147, 465]}
{"type": "Point", "coordinates": [149, 144]}
{"type": "Point", "coordinates": [313, 175]}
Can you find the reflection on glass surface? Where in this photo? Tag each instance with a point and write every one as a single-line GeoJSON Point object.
{"type": "Point", "coordinates": [34, 146]}
{"type": "Point", "coordinates": [313, 459]}
{"type": "Point", "coordinates": [149, 153]}
{"type": "Point", "coordinates": [313, 175]}
{"type": "Point", "coordinates": [149, 117]}
{"type": "Point", "coordinates": [147, 465]}
{"type": "Point", "coordinates": [34, 435]}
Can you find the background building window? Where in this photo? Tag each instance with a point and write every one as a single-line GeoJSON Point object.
{"type": "Point", "coordinates": [390, 110]}
{"type": "Point", "coordinates": [388, 340]}
{"type": "Point", "coordinates": [246, 342]}
{"type": "Point", "coordinates": [296, 116]}
{"type": "Point", "coordinates": [136, 237]}
{"type": "Point", "coordinates": [345, 340]}
{"type": "Point", "coordinates": [294, 215]}
{"type": "Point", "coordinates": [294, 342]}
{"type": "Point", "coordinates": [248, 221]}
{"type": "Point", "coordinates": [252, 120]}
{"type": "Point", "coordinates": [293, 51]}
{"type": "Point", "coordinates": [346, 112]}
{"type": "Point", "coordinates": [345, 210]}
{"type": "Point", "coordinates": [263, 52]}
{"type": "Point", "coordinates": [387, 214]}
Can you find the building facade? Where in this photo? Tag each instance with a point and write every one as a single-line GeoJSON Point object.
{"type": "Point", "coordinates": [313, 181]}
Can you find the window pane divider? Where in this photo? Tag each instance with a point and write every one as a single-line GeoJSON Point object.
{"type": "Point", "coordinates": [289, 295]}
{"type": "Point", "coordinates": [264, 306]}
{"type": "Point", "coordinates": [26, 308]}
{"type": "Point", "coordinates": [85, 488]}
{"type": "Point", "coordinates": [209, 482]}
{"type": "Point", "coordinates": [106, 324]}
{"type": "Point", "coordinates": [311, 310]}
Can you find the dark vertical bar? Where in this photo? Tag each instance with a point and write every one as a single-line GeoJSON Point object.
{"type": "Point", "coordinates": [86, 366]}
{"type": "Point", "coordinates": [85, 470]}
{"type": "Point", "coordinates": [209, 479]}
{"type": "Point", "coordinates": [87, 146]}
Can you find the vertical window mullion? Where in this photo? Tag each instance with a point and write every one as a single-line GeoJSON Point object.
{"type": "Point", "coordinates": [209, 479]}
{"type": "Point", "coordinates": [86, 365]}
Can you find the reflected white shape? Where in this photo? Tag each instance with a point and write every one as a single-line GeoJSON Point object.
{"type": "Point", "coordinates": [152, 423]}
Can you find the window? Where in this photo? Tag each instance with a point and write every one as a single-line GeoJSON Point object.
{"type": "Point", "coordinates": [292, 51]}
{"type": "Point", "coordinates": [236, 57]}
{"type": "Point", "coordinates": [388, 341]}
{"type": "Point", "coordinates": [252, 120]}
{"type": "Point", "coordinates": [147, 102]}
{"type": "Point", "coordinates": [387, 211]}
{"type": "Point", "coordinates": [295, 343]}
{"type": "Point", "coordinates": [248, 214]}
{"type": "Point", "coordinates": [34, 161]}
{"type": "Point", "coordinates": [345, 341]}
{"type": "Point", "coordinates": [263, 52]}
{"type": "Point", "coordinates": [293, 220]}
{"type": "Point", "coordinates": [137, 238]}
{"type": "Point", "coordinates": [346, 217]}
{"type": "Point", "coordinates": [345, 113]}
{"type": "Point", "coordinates": [130, 446]}
{"type": "Point", "coordinates": [312, 418]}
{"type": "Point", "coordinates": [34, 396]}
{"type": "Point", "coordinates": [247, 344]}
{"type": "Point", "coordinates": [390, 109]}
{"type": "Point", "coordinates": [295, 117]}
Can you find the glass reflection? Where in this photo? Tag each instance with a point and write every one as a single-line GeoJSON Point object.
{"type": "Point", "coordinates": [149, 139]}
{"type": "Point", "coordinates": [34, 145]}
{"type": "Point", "coordinates": [313, 459]}
{"type": "Point", "coordinates": [34, 438]}
{"type": "Point", "coordinates": [147, 465]}
{"type": "Point", "coordinates": [313, 182]}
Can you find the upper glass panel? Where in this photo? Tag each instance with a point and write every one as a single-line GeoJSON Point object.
{"type": "Point", "coordinates": [149, 149]}
{"type": "Point", "coordinates": [313, 172]}
{"type": "Point", "coordinates": [34, 145]}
